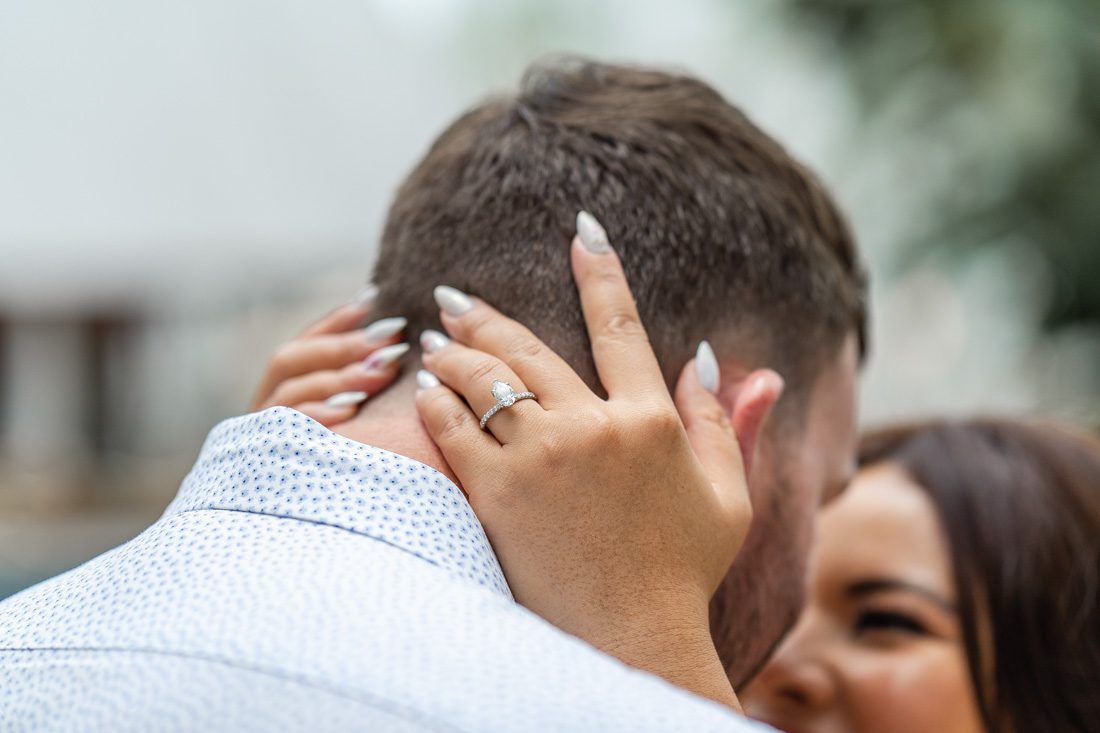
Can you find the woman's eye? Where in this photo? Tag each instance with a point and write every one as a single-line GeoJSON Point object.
{"type": "Point", "coordinates": [888, 621]}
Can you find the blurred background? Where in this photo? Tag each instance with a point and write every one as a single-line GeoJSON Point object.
{"type": "Point", "coordinates": [185, 184]}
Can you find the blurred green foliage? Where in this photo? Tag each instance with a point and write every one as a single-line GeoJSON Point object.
{"type": "Point", "coordinates": [1008, 92]}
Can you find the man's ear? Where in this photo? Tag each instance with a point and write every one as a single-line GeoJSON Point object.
{"type": "Point", "coordinates": [748, 400]}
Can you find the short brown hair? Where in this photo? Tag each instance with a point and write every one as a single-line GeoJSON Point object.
{"type": "Point", "coordinates": [722, 235]}
{"type": "Point", "coordinates": [1019, 505]}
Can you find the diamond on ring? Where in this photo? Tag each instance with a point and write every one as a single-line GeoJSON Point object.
{"type": "Point", "coordinates": [505, 397]}
{"type": "Point", "coordinates": [504, 393]}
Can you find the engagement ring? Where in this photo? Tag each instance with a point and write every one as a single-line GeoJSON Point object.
{"type": "Point", "coordinates": [506, 397]}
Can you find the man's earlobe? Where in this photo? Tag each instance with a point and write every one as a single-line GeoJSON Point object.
{"type": "Point", "coordinates": [748, 402]}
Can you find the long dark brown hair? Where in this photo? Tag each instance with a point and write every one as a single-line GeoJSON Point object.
{"type": "Point", "coordinates": [1019, 504]}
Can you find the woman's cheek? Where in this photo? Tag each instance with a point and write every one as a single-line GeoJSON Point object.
{"type": "Point", "coordinates": [922, 688]}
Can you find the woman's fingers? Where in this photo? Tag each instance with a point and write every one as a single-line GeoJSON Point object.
{"type": "Point", "coordinates": [468, 450]}
{"type": "Point", "coordinates": [326, 414]}
{"type": "Point", "coordinates": [624, 359]}
{"type": "Point", "coordinates": [326, 351]}
{"type": "Point", "coordinates": [479, 325]}
{"type": "Point", "coordinates": [473, 375]}
{"type": "Point", "coordinates": [724, 448]}
{"type": "Point", "coordinates": [708, 428]}
{"type": "Point", "coordinates": [335, 350]}
{"type": "Point", "coordinates": [323, 385]}
{"type": "Point", "coordinates": [347, 316]}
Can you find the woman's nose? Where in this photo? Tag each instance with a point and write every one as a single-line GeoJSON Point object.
{"type": "Point", "coordinates": [797, 676]}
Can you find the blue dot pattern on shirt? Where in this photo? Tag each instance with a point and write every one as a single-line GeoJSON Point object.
{"type": "Point", "coordinates": [282, 463]}
{"type": "Point", "coordinates": [300, 611]}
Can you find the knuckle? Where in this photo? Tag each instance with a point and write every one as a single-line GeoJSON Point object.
{"type": "Point", "coordinates": [621, 330]}
{"type": "Point", "coordinates": [482, 369]}
{"type": "Point", "coordinates": [600, 425]}
{"type": "Point", "coordinates": [454, 423]}
{"type": "Point", "coordinates": [604, 430]}
{"type": "Point", "coordinates": [549, 449]}
{"type": "Point", "coordinates": [660, 421]}
{"type": "Point", "coordinates": [598, 432]}
{"type": "Point", "coordinates": [521, 349]}
{"type": "Point", "coordinates": [715, 414]}
{"type": "Point", "coordinates": [623, 323]}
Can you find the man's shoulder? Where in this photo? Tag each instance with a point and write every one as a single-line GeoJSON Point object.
{"type": "Point", "coordinates": [336, 612]}
{"type": "Point", "coordinates": [307, 567]}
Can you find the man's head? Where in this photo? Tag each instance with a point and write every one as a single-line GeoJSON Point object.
{"type": "Point", "coordinates": [722, 236]}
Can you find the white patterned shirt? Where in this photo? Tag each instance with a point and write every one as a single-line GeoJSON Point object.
{"type": "Point", "coordinates": [302, 581]}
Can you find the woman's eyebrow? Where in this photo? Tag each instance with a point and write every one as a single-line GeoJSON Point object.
{"type": "Point", "coordinates": [879, 585]}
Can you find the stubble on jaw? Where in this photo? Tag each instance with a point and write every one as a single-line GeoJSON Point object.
{"type": "Point", "coordinates": [762, 595]}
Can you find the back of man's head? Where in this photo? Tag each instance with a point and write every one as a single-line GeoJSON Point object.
{"type": "Point", "coordinates": [722, 235]}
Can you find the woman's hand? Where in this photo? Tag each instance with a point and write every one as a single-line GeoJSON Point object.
{"type": "Point", "coordinates": [334, 365]}
{"type": "Point", "coordinates": [617, 518]}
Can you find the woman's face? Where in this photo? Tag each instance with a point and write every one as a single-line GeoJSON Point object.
{"type": "Point", "coordinates": [878, 646]}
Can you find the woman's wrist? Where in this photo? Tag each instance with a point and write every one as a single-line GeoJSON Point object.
{"type": "Point", "coordinates": [669, 638]}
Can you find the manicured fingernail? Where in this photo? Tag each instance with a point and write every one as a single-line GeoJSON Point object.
{"type": "Point", "coordinates": [432, 341]}
{"type": "Point", "coordinates": [384, 329]}
{"type": "Point", "coordinates": [365, 297]}
{"type": "Point", "coordinates": [385, 356]}
{"type": "Point", "coordinates": [426, 380]}
{"type": "Point", "coordinates": [706, 367]}
{"type": "Point", "coordinates": [592, 235]}
{"type": "Point", "coordinates": [452, 301]}
{"type": "Point", "coordinates": [346, 399]}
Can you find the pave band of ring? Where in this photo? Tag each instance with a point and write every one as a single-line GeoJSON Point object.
{"type": "Point", "coordinates": [506, 397]}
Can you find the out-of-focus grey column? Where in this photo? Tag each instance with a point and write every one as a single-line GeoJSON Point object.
{"type": "Point", "coordinates": [45, 375]}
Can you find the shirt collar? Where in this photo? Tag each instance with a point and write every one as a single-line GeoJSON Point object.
{"type": "Point", "coordinates": [282, 463]}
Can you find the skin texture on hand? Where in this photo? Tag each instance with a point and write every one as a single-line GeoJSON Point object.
{"type": "Point", "coordinates": [613, 519]}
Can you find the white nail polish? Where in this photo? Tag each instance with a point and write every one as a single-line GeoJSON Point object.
{"type": "Point", "coordinates": [426, 380]}
{"type": "Point", "coordinates": [385, 356]}
{"type": "Point", "coordinates": [592, 234]}
{"type": "Point", "coordinates": [432, 341]}
{"type": "Point", "coordinates": [452, 301]}
{"type": "Point", "coordinates": [346, 399]}
{"type": "Point", "coordinates": [384, 329]}
{"type": "Point", "coordinates": [365, 297]}
{"type": "Point", "coordinates": [706, 367]}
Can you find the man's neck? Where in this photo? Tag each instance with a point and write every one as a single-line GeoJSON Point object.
{"type": "Point", "coordinates": [389, 421]}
